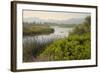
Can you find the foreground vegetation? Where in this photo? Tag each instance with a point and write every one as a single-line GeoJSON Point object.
{"type": "Point", "coordinates": [76, 46]}
{"type": "Point", "coordinates": [37, 30]}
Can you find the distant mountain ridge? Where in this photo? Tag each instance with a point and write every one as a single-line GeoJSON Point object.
{"type": "Point", "coordinates": [38, 20]}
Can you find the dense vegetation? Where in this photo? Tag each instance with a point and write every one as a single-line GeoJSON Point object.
{"type": "Point", "coordinates": [76, 46]}
{"type": "Point", "coordinates": [37, 30]}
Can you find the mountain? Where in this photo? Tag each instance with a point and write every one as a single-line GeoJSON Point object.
{"type": "Point", "coordinates": [74, 21]}
{"type": "Point", "coordinates": [38, 20]}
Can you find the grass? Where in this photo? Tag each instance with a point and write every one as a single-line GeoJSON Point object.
{"type": "Point", "coordinates": [33, 49]}
{"type": "Point", "coordinates": [37, 30]}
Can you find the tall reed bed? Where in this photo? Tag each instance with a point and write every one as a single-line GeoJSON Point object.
{"type": "Point", "coordinates": [35, 46]}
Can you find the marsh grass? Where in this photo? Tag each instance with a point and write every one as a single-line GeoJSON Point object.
{"type": "Point", "coordinates": [37, 30]}
{"type": "Point", "coordinates": [34, 48]}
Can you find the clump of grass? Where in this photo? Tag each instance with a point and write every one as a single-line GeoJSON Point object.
{"type": "Point", "coordinates": [37, 30]}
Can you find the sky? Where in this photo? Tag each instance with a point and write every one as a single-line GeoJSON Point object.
{"type": "Point", "coordinates": [53, 15]}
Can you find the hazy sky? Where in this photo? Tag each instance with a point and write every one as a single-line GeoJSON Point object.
{"type": "Point", "coordinates": [53, 15]}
